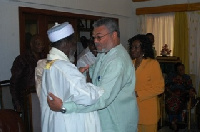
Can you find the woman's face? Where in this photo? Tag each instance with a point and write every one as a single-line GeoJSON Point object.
{"type": "Point", "coordinates": [136, 50]}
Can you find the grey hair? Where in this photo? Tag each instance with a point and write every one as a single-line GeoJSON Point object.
{"type": "Point", "coordinates": [110, 23]}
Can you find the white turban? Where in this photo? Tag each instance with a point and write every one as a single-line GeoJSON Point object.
{"type": "Point", "coordinates": [60, 31]}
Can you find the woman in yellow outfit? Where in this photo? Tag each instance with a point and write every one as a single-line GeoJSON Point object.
{"type": "Point", "coordinates": [149, 82]}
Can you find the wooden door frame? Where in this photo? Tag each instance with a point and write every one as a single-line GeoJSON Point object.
{"type": "Point", "coordinates": [29, 10]}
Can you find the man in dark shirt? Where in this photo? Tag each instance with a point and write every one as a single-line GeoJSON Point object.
{"type": "Point", "coordinates": [23, 72]}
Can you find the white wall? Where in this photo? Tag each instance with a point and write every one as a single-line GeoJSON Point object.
{"type": "Point", "coordinates": [124, 10]}
{"type": "Point", "coordinates": [9, 38]}
{"type": "Point", "coordinates": [107, 6]}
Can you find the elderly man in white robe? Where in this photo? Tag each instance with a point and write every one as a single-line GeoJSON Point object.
{"type": "Point", "coordinates": [63, 79]}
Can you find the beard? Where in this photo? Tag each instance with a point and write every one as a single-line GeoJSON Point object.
{"type": "Point", "coordinates": [102, 50]}
{"type": "Point", "coordinates": [71, 56]}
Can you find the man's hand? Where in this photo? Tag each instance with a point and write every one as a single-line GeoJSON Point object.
{"type": "Point", "coordinates": [83, 69]}
{"type": "Point", "coordinates": [54, 103]}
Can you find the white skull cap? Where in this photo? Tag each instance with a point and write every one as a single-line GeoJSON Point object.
{"type": "Point", "coordinates": [60, 31]}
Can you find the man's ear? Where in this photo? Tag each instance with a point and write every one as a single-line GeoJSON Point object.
{"type": "Point", "coordinates": [114, 34]}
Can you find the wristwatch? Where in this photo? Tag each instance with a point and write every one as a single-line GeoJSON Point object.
{"type": "Point", "coordinates": [63, 109]}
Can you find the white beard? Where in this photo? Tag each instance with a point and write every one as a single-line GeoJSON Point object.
{"type": "Point", "coordinates": [72, 59]}
{"type": "Point", "coordinates": [71, 56]}
{"type": "Point", "coordinates": [102, 50]}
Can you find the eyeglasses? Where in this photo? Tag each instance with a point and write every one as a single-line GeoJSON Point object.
{"type": "Point", "coordinates": [98, 38]}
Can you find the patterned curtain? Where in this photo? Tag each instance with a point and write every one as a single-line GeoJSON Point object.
{"type": "Point", "coordinates": [194, 45]}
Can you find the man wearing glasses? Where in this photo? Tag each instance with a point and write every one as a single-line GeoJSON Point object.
{"type": "Point", "coordinates": [114, 72]}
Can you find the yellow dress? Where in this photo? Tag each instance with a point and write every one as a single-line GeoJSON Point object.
{"type": "Point", "coordinates": [149, 84]}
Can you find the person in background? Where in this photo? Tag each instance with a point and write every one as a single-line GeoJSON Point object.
{"type": "Point", "coordinates": [114, 72]}
{"type": "Point", "coordinates": [22, 80]}
{"type": "Point", "coordinates": [28, 37]}
{"type": "Point", "coordinates": [89, 57]}
{"type": "Point", "coordinates": [83, 49]}
{"type": "Point", "coordinates": [179, 89]}
{"type": "Point", "coordinates": [151, 37]}
{"type": "Point", "coordinates": [62, 78]}
{"type": "Point", "coordinates": [23, 72]}
{"type": "Point", "coordinates": [149, 82]}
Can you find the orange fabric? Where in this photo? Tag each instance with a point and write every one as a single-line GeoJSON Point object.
{"type": "Point", "coordinates": [149, 84]}
{"type": "Point", "coordinates": [147, 128]}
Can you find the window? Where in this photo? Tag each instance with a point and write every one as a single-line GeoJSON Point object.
{"type": "Point", "coordinates": [162, 26]}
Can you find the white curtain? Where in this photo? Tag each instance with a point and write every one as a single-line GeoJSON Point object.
{"type": "Point", "coordinates": [194, 45]}
{"type": "Point", "coordinates": [161, 25]}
